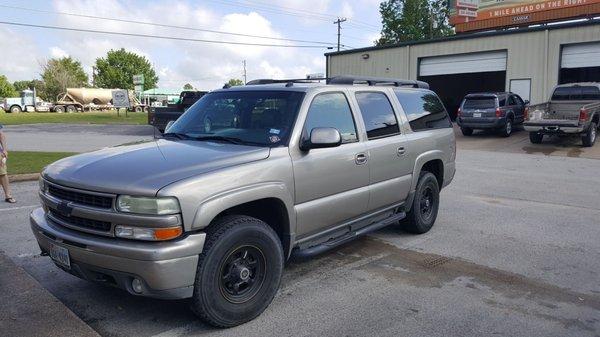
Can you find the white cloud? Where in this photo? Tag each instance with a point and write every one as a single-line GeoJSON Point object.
{"type": "Point", "coordinates": [347, 10]}
{"type": "Point", "coordinates": [18, 63]}
{"type": "Point", "coordinates": [57, 52]}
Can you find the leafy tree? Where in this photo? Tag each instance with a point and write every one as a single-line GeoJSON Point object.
{"type": "Point", "coordinates": [119, 67]}
{"type": "Point", "coordinates": [60, 74]}
{"type": "Point", "coordinates": [6, 89]}
{"type": "Point", "coordinates": [37, 84]}
{"type": "Point", "coordinates": [235, 82]}
{"type": "Point", "coordinates": [413, 20]}
{"type": "Point", "coordinates": [21, 85]}
{"type": "Point", "coordinates": [188, 86]}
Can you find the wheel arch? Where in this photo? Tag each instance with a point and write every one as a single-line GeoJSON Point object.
{"type": "Point", "coordinates": [268, 202]}
{"type": "Point", "coordinates": [429, 161]}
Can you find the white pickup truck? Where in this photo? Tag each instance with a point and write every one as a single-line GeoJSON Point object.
{"type": "Point", "coordinates": [573, 109]}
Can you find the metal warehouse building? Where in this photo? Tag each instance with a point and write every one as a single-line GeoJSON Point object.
{"type": "Point", "coordinates": [527, 61]}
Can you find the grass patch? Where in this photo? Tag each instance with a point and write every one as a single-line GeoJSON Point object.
{"type": "Point", "coordinates": [96, 117]}
{"type": "Point", "coordinates": [20, 162]}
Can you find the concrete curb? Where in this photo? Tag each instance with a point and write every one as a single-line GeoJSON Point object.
{"type": "Point", "coordinates": [28, 309]}
{"type": "Point", "coordinates": [14, 178]}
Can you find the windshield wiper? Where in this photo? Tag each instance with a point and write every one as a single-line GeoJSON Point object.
{"type": "Point", "coordinates": [232, 140]}
{"type": "Point", "coordinates": [176, 135]}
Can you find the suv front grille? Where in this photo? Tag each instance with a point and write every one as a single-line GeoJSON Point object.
{"type": "Point", "coordinates": [80, 197]}
{"type": "Point", "coordinates": [74, 221]}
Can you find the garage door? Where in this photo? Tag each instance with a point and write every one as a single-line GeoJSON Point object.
{"type": "Point", "coordinates": [463, 63]}
{"type": "Point", "coordinates": [581, 55]}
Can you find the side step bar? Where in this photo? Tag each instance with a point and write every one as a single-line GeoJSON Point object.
{"type": "Point", "coordinates": [325, 246]}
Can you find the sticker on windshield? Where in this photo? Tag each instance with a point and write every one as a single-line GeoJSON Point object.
{"type": "Point", "coordinates": [274, 139]}
{"type": "Point", "coordinates": [275, 131]}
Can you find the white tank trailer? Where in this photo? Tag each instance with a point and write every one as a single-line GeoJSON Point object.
{"type": "Point", "coordinates": [82, 99]}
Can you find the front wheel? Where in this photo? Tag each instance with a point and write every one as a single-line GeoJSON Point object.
{"type": "Point", "coordinates": [15, 109]}
{"type": "Point", "coordinates": [590, 137]}
{"type": "Point", "coordinates": [239, 271]}
{"type": "Point", "coordinates": [536, 138]}
{"type": "Point", "coordinates": [426, 203]}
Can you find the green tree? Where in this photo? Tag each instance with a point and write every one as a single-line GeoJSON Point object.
{"type": "Point", "coordinates": [60, 74]}
{"type": "Point", "coordinates": [37, 84]}
{"type": "Point", "coordinates": [21, 85]}
{"type": "Point", "coordinates": [413, 20]}
{"type": "Point", "coordinates": [188, 86]}
{"type": "Point", "coordinates": [116, 71]}
{"type": "Point", "coordinates": [235, 82]}
{"type": "Point", "coordinates": [6, 89]}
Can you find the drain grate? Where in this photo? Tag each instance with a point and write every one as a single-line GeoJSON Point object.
{"type": "Point", "coordinates": [435, 261]}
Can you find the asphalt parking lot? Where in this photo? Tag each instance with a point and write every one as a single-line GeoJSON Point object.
{"type": "Point", "coordinates": [514, 252]}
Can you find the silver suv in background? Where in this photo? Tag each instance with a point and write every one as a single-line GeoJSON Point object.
{"type": "Point", "coordinates": [246, 178]}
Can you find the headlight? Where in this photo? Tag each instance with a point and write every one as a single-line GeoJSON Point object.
{"type": "Point", "coordinates": [43, 185]}
{"type": "Point", "coordinates": [147, 234]}
{"type": "Point", "coordinates": [145, 205]}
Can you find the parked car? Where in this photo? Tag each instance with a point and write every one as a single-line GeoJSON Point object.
{"type": "Point", "coordinates": [298, 169]}
{"type": "Point", "coordinates": [496, 111]}
{"type": "Point", "coordinates": [160, 116]}
{"type": "Point", "coordinates": [573, 109]}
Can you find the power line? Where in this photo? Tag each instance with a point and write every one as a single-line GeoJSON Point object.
{"type": "Point", "coordinates": [158, 36]}
{"type": "Point", "coordinates": [162, 25]}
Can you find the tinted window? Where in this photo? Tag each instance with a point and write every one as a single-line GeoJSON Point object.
{"type": "Point", "coordinates": [378, 114]}
{"type": "Point", "coordinates": [501, 100]}
{"type": "Point", "coordinates": [252, 117]}
{"type": "Point", "coordinates": [576, 93]}
{"type": "Point", "coordinates": [424, 109]}
{"type": "Point", "coordinates": [331, 110]}
{"type": "Point", "coordinates": [591, 93]}
{"type": "Point", "coordinates": [512, 100]}
{"type": "Point", "coordinates": [479, 103]}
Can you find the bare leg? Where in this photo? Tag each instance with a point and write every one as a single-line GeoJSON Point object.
{"type": "Point", "coordinates": [5, 186]}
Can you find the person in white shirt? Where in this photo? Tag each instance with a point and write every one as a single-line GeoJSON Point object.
{"type": "Point", "coordinates": [3, 168]}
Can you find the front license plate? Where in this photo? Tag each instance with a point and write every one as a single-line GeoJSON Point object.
{"type": "Point", "coordinates": [477, 114]}
{"type": "Point", "coordinates": [60, 255]}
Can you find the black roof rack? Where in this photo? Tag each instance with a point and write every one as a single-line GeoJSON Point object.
{"type": "Point", "coordinates": [346, 80]}
{"type": "Point", "coordinates": [372, 81]}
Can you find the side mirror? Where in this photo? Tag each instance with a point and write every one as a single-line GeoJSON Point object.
{"type": "Point", "coordinates": [169, 124]}
{"type": "Point", "coordinates": [322, 138]}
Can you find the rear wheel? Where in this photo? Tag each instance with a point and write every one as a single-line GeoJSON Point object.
{"type": "Point", "coordinates": [71, 108]}
{"type": "Point", "coordinates": [239, 271]}
{"type": "Point", "coordinates": [466, 131]}
{"type": "Point", "coordinates": [423, 212]}
{"type": "Point", "coordinates": [590, 137]}
{"type": "Point", "coordinates": [507, 129]}
{"type": "Point", "coordinates": [139, 109]}
{"type": "Point", "coordinates": [59, 109]}
{"type": "Point", "coordinates": [15, 109]}
{"type": "Point", "coordinates": [535, 137]}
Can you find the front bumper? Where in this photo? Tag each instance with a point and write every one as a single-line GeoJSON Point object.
{"type": "Point", "coordinates": [481, 122]}
{"type": "Point", "coordinates": [166, 269]}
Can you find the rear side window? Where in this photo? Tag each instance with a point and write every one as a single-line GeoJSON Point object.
{"type": "Point", "coordinates": [424, 110]}
{"type": "Point", "coordinates": [479, 103]}
{"type": "Point", "coordinates": [378, 114]}
{"type": "Point", "coordinates": [331, 110]}
{"type": "Point", "coordinates": [576, 93]}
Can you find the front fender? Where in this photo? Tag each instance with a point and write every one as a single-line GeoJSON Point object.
{"type": "Point", "coordinates": [214, 205]}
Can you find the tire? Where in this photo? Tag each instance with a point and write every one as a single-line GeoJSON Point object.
{"type": "Point", "coordinates": [417, 221]}
{"type": "Point", "coordinates": [535, 137]}
{"type": "Point", "coordinates": [15, 109]}
{"type": "Point", "coordinates": [139, 109]}
{"type": "Point", "coordinates": [466, 131]}
{"type": "Point", "coordinates": [59, 109]}
{"type": "Point", "coordinates": [506, 131]}
{"type": "Point", "coordinates": [71, 109]}
{"type": "Point", "coordinates": [589, 138]}
{"type": "Point", "coordinates": [229, 239]}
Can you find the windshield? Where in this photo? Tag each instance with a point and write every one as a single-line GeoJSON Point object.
{"type": "Point", "coordinates": [263, 118]}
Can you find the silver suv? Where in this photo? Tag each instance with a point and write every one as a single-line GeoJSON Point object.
{"type": "Point", "coordinates": [247, 178]}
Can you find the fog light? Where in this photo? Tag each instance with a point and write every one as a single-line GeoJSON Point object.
{"type": "Point", "coordinates": [136, 285]}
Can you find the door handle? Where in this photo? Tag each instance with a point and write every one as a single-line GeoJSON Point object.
{"type": "Point", "coordinates": [401, 151]}
{"type": "Point", "coordinates": [360, 159]}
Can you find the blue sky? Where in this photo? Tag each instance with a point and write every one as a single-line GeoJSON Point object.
{"type": "Point", "coordinates": [204, 65]}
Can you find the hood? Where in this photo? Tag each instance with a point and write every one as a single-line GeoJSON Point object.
{"type": "Point", "coordinates": [144, 168]}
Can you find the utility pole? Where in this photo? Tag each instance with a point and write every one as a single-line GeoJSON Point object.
{"type": "Point", "coordinates": [245, 75]}
{"type": "Point", "coordinates": [338, 22]}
